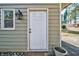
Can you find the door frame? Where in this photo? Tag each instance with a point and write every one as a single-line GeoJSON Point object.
{"type": "Point", "coordinates": [28, 23]}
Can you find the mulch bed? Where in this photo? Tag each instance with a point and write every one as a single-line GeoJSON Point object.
{"type": "Point", "coordinates": [13, 53]}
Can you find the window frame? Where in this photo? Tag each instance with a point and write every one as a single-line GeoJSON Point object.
{"type": "Point", "coordinates": [2, 19]}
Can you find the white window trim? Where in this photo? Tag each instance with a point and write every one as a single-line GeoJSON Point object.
{"type": "Point", "coordinates": [2, 20]}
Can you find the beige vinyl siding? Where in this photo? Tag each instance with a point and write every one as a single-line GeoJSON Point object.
{"type": "Point", "coordinates": [16, 40]}
{"type": "Point", "coordinates": [54, 27]}
{"type": "Point", "coordinates": [54, 5]}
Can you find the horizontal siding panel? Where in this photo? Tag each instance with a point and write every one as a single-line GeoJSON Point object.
{"type": "Point", "coordinates": [54, 13]}
{"type": "Point", "coordinates": [12, 36]}
{"type": "Point", "coordinates": [54, 21]}
{"type": "Point", "coordinates": [56, 35]}
{"type": "Point", "coordinates": [53, 24]}
{"type": "Point", "coordinates": [22, 24]}
{"type": "Point", "coordinates": [14, 39]}
{"type": "Point", "coordinates": [13, 33]}
{"type": "Point", "coordinates": [12, 43]}
{"type": "Point", "coordinates": [55, 17]}
{"type": "Point", "coordinates": [20, 28]}
{"type": "Point", "coordinates": [51, 14]}
{"type": "Point", "coordinates": [21, 21]}
{"type": "Point", "coordinates": [32, 6]}
{"type": "Point", "coordinates": [52, 36]}
{"type": "Point", "coordinates": [54, 10]}
{"type": "Point", "coordinates": [54, 41]}
{"type": "Point", "coordinates": [54, 32]}
{"type": "Point", "coordinates": [13, 46]}
{"type": "Point", "coordinates": [57, 44]}
{"type": "Point", "coordinates": [55, 27]}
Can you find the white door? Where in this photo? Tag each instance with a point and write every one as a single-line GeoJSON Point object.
{"type": "Point", "coordinates": [38, 30]}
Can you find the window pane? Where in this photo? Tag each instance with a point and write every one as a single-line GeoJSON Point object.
{"type": "Point", "coordinates": [8, 19]}
{"type": "Point", "coordinates": [8, 15]}
{"type": "Point", "coordinates": [8, 24]}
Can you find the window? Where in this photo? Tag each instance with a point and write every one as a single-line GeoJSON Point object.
{"type": "Point", "coordinates": [7, 19]}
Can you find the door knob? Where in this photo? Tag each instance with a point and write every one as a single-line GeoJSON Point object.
{"type": "Point", "coordinates": [29, 31]}
{"type": "Point", "coordinates": [29, 28]}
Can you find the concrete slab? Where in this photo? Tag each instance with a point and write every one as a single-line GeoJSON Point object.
{"type": "Point", "coordinates": [71, 38]}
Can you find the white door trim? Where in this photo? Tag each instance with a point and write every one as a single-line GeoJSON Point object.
{"type": "Point", "coordinates": [28, 24]}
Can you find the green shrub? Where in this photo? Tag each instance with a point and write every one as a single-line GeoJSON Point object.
{"type": "Point", "coordinates": [63, 26]}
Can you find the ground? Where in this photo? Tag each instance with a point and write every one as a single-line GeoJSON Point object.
{"type": "Point", "coordinates": [70, 41]}
{"type": "Point", "coordinates": [71, 38]}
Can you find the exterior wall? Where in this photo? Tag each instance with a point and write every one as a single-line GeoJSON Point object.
{"type": "Point", "coordinates": [16, 40]}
